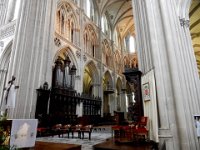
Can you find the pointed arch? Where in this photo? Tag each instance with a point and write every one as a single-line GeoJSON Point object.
{"type": "Point", "coordinates": [107, 81]}
{"type": "Point", "coordinates": [4, 65]}
{"type": "Point", "coordinates": [90, 78]}
{"type": "Point", "coordinates": [64, 69]}
{"type": "Point", "coordinates": [118, 85]}
{"type": "Point", "coordinates": [107, 54]}
{"type": "Point", "coordinates": [90, 40]}
{"type": "Point", "coordinates": [67, 22]}
{"type": "Point", "coordinates": [66, 51]}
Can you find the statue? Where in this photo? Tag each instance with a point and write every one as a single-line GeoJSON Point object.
{"type": "Point", "coordinates": [9, 97]}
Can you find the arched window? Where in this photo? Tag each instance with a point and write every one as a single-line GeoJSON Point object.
{"type": "Point", "coordinates": [88, 8]}
{"type": "Point", "coordinates": [91, 11]}
{"type": "Point", "coordinates": [72, 31]}
{"type": "Point", "coordinates": [16, 14]}
{"type": "Point", "coordinates": [104, 24]}
{"type": "Point", "coordinates": [132, 44]}
{"type": "Point", "coordinates": [62, 24]}
{"type": "Point", "coordinates": [66, 23]}
{"type": "Point", "coordinates": [129, 43]}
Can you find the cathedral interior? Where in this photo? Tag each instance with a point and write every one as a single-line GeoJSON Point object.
{"type": "Point", "coordinates": [104, 62]}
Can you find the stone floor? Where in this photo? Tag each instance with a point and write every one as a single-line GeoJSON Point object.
{"type": "Point", "coordinates": [99, 135]}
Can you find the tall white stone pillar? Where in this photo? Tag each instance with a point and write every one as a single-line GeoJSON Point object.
{"type": "Point", "coordinates": [31, 60]}
{"type": "Point", "coordinates": [163, 41]}
{"type": "Point", "coordinates": [10, 11]}
{"type": "Point", "coordinates": [3, 11]}
{"type": "Point", "coordinates": [123, 103]}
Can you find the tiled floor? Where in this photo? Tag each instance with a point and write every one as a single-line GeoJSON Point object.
{"type": "Point", "coordinates": [98, 135]}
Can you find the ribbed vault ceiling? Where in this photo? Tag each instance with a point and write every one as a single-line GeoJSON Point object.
{"type": "Point", "coordinates": [119, 14]}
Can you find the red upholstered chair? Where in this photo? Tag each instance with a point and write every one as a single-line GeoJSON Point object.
{"type": "Point", "coordinates": [41, 131]}
{"type": "Point", "coordinates": [66, 129]}
{"type": "Point", "coordinates": [140, 130]}
{"type": "Point", "coordinates": [87, 129]}
{"type": "Point", "coordinates": [129, 132]}
{"type": "Point", "coordinates": [56, 129]}
{"type": "Point", "coordinates": [77, 128]}
{"type": "Point", "coordinates": [116, 130]}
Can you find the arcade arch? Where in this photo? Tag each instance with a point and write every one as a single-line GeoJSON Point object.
{"type": "Point", "coordinates": [4, 64]}
{"type": "Point", "coordinates": [194, 17]}
{"type": "Point", "coordinates": [90, 40]}
{"type": "Point", "coordinates": [64, 69]}
{"type": "Point", "coordinates": [108, 101]}
{"type": "Point", "coordinates": [66, 22]}
{"type": "Point", "coordinates": [90, 79]}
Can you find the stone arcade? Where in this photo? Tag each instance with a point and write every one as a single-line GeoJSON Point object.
{"type": "Point", "coordinates": [95, 35]}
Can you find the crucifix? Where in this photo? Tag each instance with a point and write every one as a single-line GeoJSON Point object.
{"type": "Point", "coordinates": [9, 99]}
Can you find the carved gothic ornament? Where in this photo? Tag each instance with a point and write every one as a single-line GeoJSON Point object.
{"type": "Point", "coordinates": [78, 54]}
{"type": "Point", "coordinates": [57, 42]}
{"type": "Point", "coordinates": [7, 30]}
{"type": "Point", "coordinates": [1, 44]}
{"type": "Point", "coordinates": [184, 22]}
{"type": "Point", "coordinates": [99, 65]}
{"type": "Point", "coordinates": [84, 57]}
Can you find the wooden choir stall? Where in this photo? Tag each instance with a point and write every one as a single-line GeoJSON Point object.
{"type": "Point", "coordinates": [62, 104]}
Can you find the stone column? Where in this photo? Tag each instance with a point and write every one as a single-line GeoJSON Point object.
{"type": "Point", "coordinates": [10, 10]}
{"type": "Point", "coordinates": [96, 89]}
{"type": "Point", "coordinates": [176, 77]}
{"type": "Point", "coordinates": [81, 44]}
{"type": "Point", "coordinates": [31, 60]}
{"type": "Point", "coordinates": [123, 103]}
{"type": "Point", "coordinates": [3, 10]}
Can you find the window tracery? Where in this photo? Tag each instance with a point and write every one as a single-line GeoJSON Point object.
{"type": "Point", "coordinates": [118, 62]}
{"type": "Point", "coordinates": [107, 54]}
{"type": "Point", "coordinates": [90, 40]}
{"type": "Point", "coordinates": [67, 25]}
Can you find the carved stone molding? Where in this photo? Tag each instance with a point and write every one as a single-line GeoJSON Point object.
{"type": "Point", "coordinates": [1, 44]}
{"type": "Point", "coordinates": [57, 42]}
{"type": "Point", "coordinates": [184, 23]}
{"type": "Point", "coordinates": [78, 54]}
{"type": "Point", "coordinates": [7, 30]}
{"type": "Point", "coordinates": [84, 57]}
{"type": "Point", "coordinates": [182, 20]}
{"type": "Point", "coordinates": [99, 65]}
{"type": "Point", "coordinates": [187, 23]}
